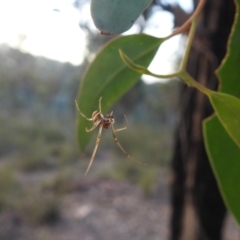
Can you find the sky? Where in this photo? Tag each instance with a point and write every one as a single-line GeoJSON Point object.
{"type": "Point", "coordinates": [50, 28]}
{"type": "Point", "coordinates": [44, 28]}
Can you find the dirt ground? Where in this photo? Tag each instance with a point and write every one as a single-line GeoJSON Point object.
{"type": "Point", "coordinates": [105, 210]}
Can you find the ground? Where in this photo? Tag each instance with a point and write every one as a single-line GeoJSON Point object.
{"type": "Point", "coordinates": [104, 209]}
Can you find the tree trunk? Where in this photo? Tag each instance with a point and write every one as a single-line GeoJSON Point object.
{"type": "Point", "coordinates": [198, 210]}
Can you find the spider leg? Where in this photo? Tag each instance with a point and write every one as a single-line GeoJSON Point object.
{"type": "Point", "coordinates": [120, 146]}
{"type": "Point", "coordinates": [89, 119]}
{"type": "Point", "coordinates": [124, 128]}
{"type": "Point", "coordinates": [93, 127]}
{"type": "Point", "coordinates": [95, 149]}
{"type": "Point", "coordinates": [100, 107]}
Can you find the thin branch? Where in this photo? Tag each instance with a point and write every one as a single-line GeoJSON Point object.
{"type": "Point", "coordinates": [186, 25]}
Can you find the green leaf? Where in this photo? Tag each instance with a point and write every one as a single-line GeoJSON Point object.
{"type": "Point", "coordinates": [227, 109]}
{"type": "Point", "coordinates": [116, 16]}
{"type": "Point", "coordinates": [108, 77]}
{"type": "Point", "coordinates": [224, 156]}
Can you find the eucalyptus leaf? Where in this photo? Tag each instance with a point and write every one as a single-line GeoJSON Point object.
{"type": "Point", "coordinates": [224, 156]}
{"type": "Point", "coordinates": [227, 109]}
{"type": "Point", "coordinates": [116, 16]}
{"type": "Point", "coordinates": [108, 77]}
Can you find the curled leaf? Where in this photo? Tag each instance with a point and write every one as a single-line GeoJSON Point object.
{"type": "Point", "coordinates": [131, 64]}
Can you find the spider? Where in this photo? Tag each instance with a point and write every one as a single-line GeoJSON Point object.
{"type": "Point", "coordinates": [102, 121]}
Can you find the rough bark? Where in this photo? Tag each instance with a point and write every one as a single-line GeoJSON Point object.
{"type": "Point", "coordinates": [198, 210]}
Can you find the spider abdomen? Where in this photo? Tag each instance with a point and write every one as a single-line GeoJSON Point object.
{"type": "Point", "coordinates": [107, 121]}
